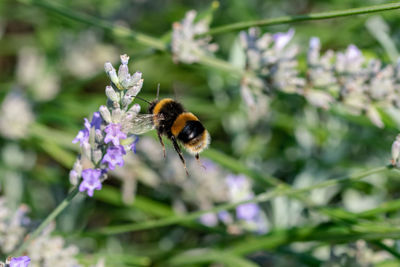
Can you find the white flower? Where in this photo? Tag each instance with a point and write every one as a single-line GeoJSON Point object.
{"type": "Point", "coordinates": [34, 73]}
{"type": "Point", "coordinates": [15, 116]}
{"type": "Point", "coordinates": [396, 150]}
{"type": "Point", "coordinates": [185, 46]}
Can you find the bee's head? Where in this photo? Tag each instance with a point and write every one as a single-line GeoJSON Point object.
{"type": "Point", "coordinates": [152, 105]}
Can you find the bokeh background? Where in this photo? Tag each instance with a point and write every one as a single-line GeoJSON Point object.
{"type": "Point", "coordinates": [52, 76]}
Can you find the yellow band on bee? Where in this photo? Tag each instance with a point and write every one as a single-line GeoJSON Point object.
{"type": "Point", "coordinates": [160, 104]}
{"type": "Point", "coordinates": [180, 122]}
{"type": "Point", "coordinates": [158, 107]}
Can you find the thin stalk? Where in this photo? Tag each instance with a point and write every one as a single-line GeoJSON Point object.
{"type": "Point", "coordinates": [47, 221]}
{"type": "Point", "coordinates": [290, 19]}
{"type": "Point", "coordinates": [117, 30]}
{"type": "Point", "coordinates": [278, 191]}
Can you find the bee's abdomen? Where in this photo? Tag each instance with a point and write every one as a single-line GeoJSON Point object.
{"type": "Point", "coordinates": [190, 131]}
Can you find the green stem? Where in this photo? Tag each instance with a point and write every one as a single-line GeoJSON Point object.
{"type": "Point", "coordinates": [290, 19]}
{"type": "Point", "coordinates": [279, 191]}
{"type": "Point", "coordinates": [118, 31]}
{"type": "Point", "coordinates": [47, 221]}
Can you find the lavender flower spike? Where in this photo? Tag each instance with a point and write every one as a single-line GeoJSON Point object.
{"type": "Point", "coordinates": [91, 181]}
{"type": "Point", "coordinates": [22, 261]}
{"type": "Point", "coordinates": [114, 156]}
{"type": "Point", "coordinates": [113, 134]}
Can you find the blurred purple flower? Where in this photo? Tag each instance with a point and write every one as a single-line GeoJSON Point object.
{"type": "Point", "coordinates": [236, 182]}
{"type": "Point", "coordinates": [315, 43]}
{"type": "Point", "coordinates": [209, 219]}
{"type": "Point", "coordinates": [91, 181]}
{"type": "Point", "coordinates": [353, 53]}
{"type": "Point", "coordinates": [133, 145]}
{"type": "Point", "coordinates": [113, 134]}
{"type": "Point", "coordinates": [283, 38]}
{"type": "Point", "coordinates": [247, 212]}
{"type": "Point", "coordinates": [225, 217]}
{"type": "Point", "coordinates": [114, 156]}
{"type": "Point", "coordinates": [83, 135]}
{"type": "Point", "coordinates": [22, 261]}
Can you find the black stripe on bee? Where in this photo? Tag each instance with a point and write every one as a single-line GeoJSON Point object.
{"type": "Point", "coordinates": [191, 130]}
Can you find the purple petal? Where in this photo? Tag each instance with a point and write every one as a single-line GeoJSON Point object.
{"type": "Point", "coordinates": [96, 120]}
{"type": "Point", "coordinates": [22, 261]}
{"type": "Point", "coordinates": [133, 145]}
{"type": "Point", "coordinates": [247, 211]}
{"type": "Point", "coordinates": [282, 39]}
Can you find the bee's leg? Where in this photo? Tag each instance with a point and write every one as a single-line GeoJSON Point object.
{"type": "Point", "coordinates": [178, 150]}
{"type": "Point", "coordinates": [198, 161]}
{"type": "Point", "coordinates": [161, 142]}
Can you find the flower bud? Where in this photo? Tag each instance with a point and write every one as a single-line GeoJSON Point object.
{"type": "Point", "coordinates": [98, 136]}
{"type": "Point", "coordinates": [105, 114]}
{"type": "Point", "coordinates": [123, 74]}
{"type": "Point", "coordinates": [137, 76]}
{"type": "Point", "coordinates": [86, 149]}
{"type": "Point", "coordinates": [124, 59]}
{"type": "Point", "coordinates": [97, 155]}
{"type": "Point", "coordinates": [111, 94]}
{"type": "Point", "coordinates": [73, 177]}
{"type": "Point", "coordinates": [78, 166]}
{"type": "Point", "coordinates": [396, 150]}
{"type": "Point", "coordinates": [112, 73]}
{"type": "Point", "coordinates": [135, 108]}
{"type": "Point", "coordinates": [127, 100]}
{"type": "Point", "coordinates": [116, 115]}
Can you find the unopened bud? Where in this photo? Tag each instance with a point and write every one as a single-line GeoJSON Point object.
{"type": "Point", "coordinates": [127, 100]}
{"type": "Point", "coordinates": [98, 136]}
{"type": "Point", "coordinates": [111, 94]}
{"type": "Point", "coordinates": [105, 114]}
{"type": "Point", "coordinates": [124, 59]}
{"type": "Point", "coordinates": [78, 166]}
{"type": "Point", "coordinates": [97, 156]}
{"type": "Point", "coordinates": [74, 177]}
{"type": "Point", "coordinates": [396, 150]}
{"type": "Point", "coordinates": [135, 108]}
{"type": "Point", "coordinates": [136, 77]}
{"type": "Point", "coordinates": [116, 115]}
{"type": "Point", "coordinates": [112, 73]}
{"type": "Point", "coordinates": [86, 149]}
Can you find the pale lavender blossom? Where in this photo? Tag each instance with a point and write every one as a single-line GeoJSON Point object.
{"type": "Point", "coordinates": [225, 217]}
{"type": "Point", "coordinates": [113, 134]}
{"type": "Point", "coordinates": [282, 39]}
{"type": "Point", "coordinates": [185, 46]}
{"type": "Point", "coordinates": [22, 261]}
{"type": "Point", "coordinates": [91, 181]}
{"type": "Point", "coordinates": [96, 120]}
{"type": "Point", "coordinates": [248, 211]}
{"type": "Point", "coordinates": [83, 135]}
{"type": "Point", "coordinates": [209, 219]}
{"type": "Point", "coordinates": [114, 156]}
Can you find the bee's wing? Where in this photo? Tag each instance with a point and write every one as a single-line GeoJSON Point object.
{"type": "Point", "coordinates": [142, 123]}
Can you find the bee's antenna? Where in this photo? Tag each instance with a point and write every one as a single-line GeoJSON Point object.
{"type": "Point", "coordinates": [158, 91]}
{"type": "Point", "coordinates": [142, 99]}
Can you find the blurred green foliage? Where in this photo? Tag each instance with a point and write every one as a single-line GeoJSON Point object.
{"type": "Point", "coordinates": [293, 141]}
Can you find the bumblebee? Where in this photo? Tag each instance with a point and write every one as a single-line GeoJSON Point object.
{"type": "Point", "coordinates": [170, 119]}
